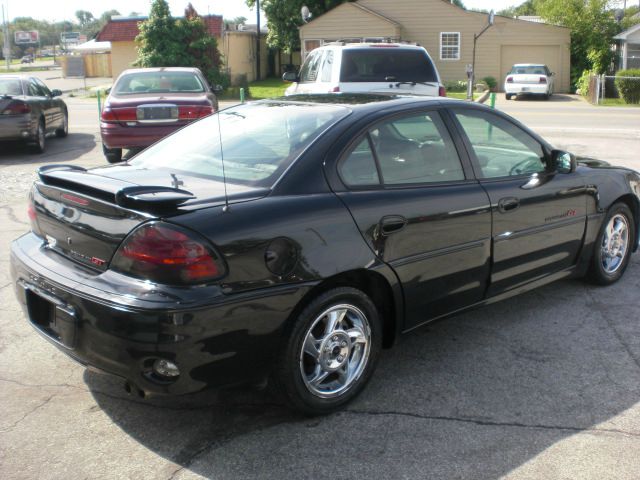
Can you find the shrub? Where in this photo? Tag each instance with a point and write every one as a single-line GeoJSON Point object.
{"type": "Point", "coordinates": [582, 84]}
{"type": "Point", "coordinates": [491, 83]}
{"type": "Point", "coordinates": [629, 85]}
{"type": "Point", "coordinates": [457, 86]}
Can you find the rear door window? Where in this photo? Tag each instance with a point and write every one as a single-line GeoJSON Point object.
{"type": "Point", "coordinates": [384, 64]}
{"type": "Point", "coordinates": [310, 68]}
{"type": "Point", "coordinates": [327, 67]}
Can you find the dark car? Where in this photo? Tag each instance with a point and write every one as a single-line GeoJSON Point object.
{"type": "Point", "coordinates": [27, 59]}
{"type": "Point", "coordinates": [147, 104]}
{"type": "Point", "coordinates": [29, 111]}
{"type": "Point", "coordinates": [297, 237]}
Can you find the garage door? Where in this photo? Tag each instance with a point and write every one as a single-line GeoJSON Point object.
{"type": "Point", "coordinates": [546, 54]}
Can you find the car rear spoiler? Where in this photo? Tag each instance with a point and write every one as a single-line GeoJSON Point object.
{"type": "Point", "coordinates": [147, 198]}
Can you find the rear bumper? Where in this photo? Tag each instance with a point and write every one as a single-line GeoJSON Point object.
{"type": "Point", "coordinates": [17, 127]}
{"type": "Point", "coordinates": [217, 341]}
{"type": "Point", "coordinates": [115, 135]}
{"type": "Point", "coordinates": [530, 89]}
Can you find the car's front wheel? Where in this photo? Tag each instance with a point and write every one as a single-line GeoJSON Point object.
{"type": "Point", "coordinates": [63, 130]}
{"type": "Point", "coordinates": [113, 155]}
{"type": "Point", "coordinates": [613, 246]}
{"type": "Point", "coordinates": [331, 351]}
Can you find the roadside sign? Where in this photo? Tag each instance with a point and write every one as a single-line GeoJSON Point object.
{"type": "Point", "coordinates": [25, 37]}
{"type": "Point", "coordinates": [70, 37]}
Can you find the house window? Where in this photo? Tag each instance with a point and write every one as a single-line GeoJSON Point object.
{"type": "Point", "coordinates": [449, 45]}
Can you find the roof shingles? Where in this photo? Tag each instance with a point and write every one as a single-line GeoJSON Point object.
{"type": "Point", "coordinates": [126, 30]}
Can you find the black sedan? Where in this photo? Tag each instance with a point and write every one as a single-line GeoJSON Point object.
{"type": "Point", "coordinates": [29, 111]}
{"type": "Point", "coordinates": [294, 238]}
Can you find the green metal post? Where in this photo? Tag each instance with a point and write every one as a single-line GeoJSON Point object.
{"type": "Point", "coordinates": [242, 95]}
{"type": "Point", "coordinates": [493, 100]}
{"type": "Point", "coordinates": [99, 106]}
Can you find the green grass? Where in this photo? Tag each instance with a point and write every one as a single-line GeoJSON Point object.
{"type": "Point", "coordinates": [268, 88]}
{"type": "Point", "coordinates": [616, 102]}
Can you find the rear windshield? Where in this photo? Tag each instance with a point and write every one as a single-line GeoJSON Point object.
{"type": "Point", "coordinates": [529, 70]}
{"type": "Point", "coordinates": [259, 141]}
{"type": "Point", "coordinates": [386, 65]}
{"type": "Point", "coordinates": [158, 82]}
{"type": "Point", "coordinates": [10, 86]}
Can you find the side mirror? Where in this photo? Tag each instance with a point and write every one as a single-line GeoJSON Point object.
{"type": "Point", "coordinates": [290, 77]}
{"type": "Point", "coordinates": [564, 162]}
{"type": "Point", "coordinates": [56, 93]}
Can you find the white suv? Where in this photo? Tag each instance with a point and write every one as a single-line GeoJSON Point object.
{"type": "Point", "coordinates": [367, 67]}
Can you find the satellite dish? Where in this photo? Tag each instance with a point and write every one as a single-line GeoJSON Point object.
{"type": "Point", "coordinates": [306, 14]}
{"type": "Point", "coordinates": [492, 17]}
{"type": "Point", "coordinates": [618, 15]}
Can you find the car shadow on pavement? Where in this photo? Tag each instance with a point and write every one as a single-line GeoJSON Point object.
{"type": "Point", "coordinates": [475, 396]}
{"type": "Point", "coordinates": [57, 150]}
{"type": "Point", "coordinates": [556, 98]}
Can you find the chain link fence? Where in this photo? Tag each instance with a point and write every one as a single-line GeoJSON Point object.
{"type": "Point", "coordinates": [607, 87]}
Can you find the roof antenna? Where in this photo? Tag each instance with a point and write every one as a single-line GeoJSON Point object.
{"type": "Point", "coordinates": [225, 209]}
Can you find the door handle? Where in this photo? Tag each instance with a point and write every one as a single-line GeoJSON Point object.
{"type": "Point", "coordinates": [508, 203]}
{"type": "Point", "coordinates": [392, 224]}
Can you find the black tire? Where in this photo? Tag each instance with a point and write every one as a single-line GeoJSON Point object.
{"type": "Point", "coordinates": [345, 360]}
{"type": "Point", "coordinates": [507, 96]}
{"type": "Point", "coordinates": [64, 130]}
{"type": "Point", "coordinates": [608, 263]}
{"type": "Point", "coordinates": [113, 155]}
{"type": "Point", "coordinates": [39, 140]}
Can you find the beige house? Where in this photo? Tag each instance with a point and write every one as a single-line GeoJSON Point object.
{"type": "Point", "coordinates": [447, 32]}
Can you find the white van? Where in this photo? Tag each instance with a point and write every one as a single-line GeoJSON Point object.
{"type": "Point", "coordinates": [367, 67]}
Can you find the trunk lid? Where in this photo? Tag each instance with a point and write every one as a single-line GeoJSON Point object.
{"type": "Point", "coordinates": [85, 214]}
{"type": "Point", "coordinates": [526, 78]}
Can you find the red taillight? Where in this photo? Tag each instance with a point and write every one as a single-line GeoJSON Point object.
{"type": "Point", "coordinates": [335, 90]}
{"type": "Point", "coordinates": [127, 114]}
{"type": "Point", "coordinates": [167, 254]}
{"type": "Point", "coordinates": [509, 79]}
{"type": "Point", "coordinates": [31, 212]}
{"type": "Point", "coordinates": [543, 79]}
{"type": "Point", "coordinates": [17, 107]}
{"type": "Point", "coordinates": [191, 112]}
{"type": "Point", "coordinates": [442, 92]}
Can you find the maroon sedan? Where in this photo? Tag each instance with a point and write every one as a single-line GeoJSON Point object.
{"type": "Point", "coordinates": [147, 104]}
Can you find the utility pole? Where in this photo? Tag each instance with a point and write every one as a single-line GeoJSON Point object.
{"type": "Point", "coordinates": [472, 77]}
{"type": "Point", "coordinates": [257, 39]}
{"type": "Point", "coordinates": [7, 38]}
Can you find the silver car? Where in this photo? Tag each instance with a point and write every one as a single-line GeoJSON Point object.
{"type": "Point", "coordinates": [29, 111]}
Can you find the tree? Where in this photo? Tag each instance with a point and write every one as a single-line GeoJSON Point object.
{"type": "Point", "coordinates": [526, 8]}
{"type": "Point", "coordinates": [284, 19]}
{"type": "Point", "coordinates": [158, 40]}
{"type": "Point", "coordinates": [166, 42]}
{"type": "Point", "coordinates": [234, 21]}
{"type": "Point", "coordinates": [84, 18]}
{"type": "Point", "coordinates": [592, 27]}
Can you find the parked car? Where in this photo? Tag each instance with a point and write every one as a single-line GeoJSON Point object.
{"type": "Point", "coordinates": [529, 79]}
{"type": "Point", "coordinates": [27, 59]}
{"type": "Point", "coordinates": [146, 104]}
{"type": "Point", "coordinates": [367, 67]}
{"type": "Point", "coordinates": [29, 111]}
{"type": "Point", "coordinates": [296, 238]}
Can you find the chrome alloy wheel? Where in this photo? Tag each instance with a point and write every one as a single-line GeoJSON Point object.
{"type": "Point", "coordinates": [335, 351]}
{"type": "Point", "coordinates": [615, 243]}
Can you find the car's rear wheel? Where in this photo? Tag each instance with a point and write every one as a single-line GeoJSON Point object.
{"type": "Point", "coordinates": [331, 351]}
{"type": "Point", "coordinates": [63, 131]}
{"type": "Point", "coordinates": [613, 246]}
{"type": "Point", "coordinates": [113, 155]}
{"type": "Point", "coordinates": [507, 96]}
{"type": "Point", "coordinates": [39, 140]}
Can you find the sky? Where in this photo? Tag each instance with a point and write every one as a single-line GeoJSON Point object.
{"type": "Point", "coordinates": [56, 10]}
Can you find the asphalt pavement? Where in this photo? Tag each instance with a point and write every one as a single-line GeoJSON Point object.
{"type": "Point", "coordinates": [545, 385]}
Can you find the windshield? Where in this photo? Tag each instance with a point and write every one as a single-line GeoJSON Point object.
{"type": "Point", "coordinates": [528, 70]}
{"type": "Point", "coordinates": [10, 86]}
{"type": "Point", "coordinates": [386, 64]}
{"type": "Point", "coordinates": [158, 82]}
{"type": "Point", "coordinates": [259, 142]}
